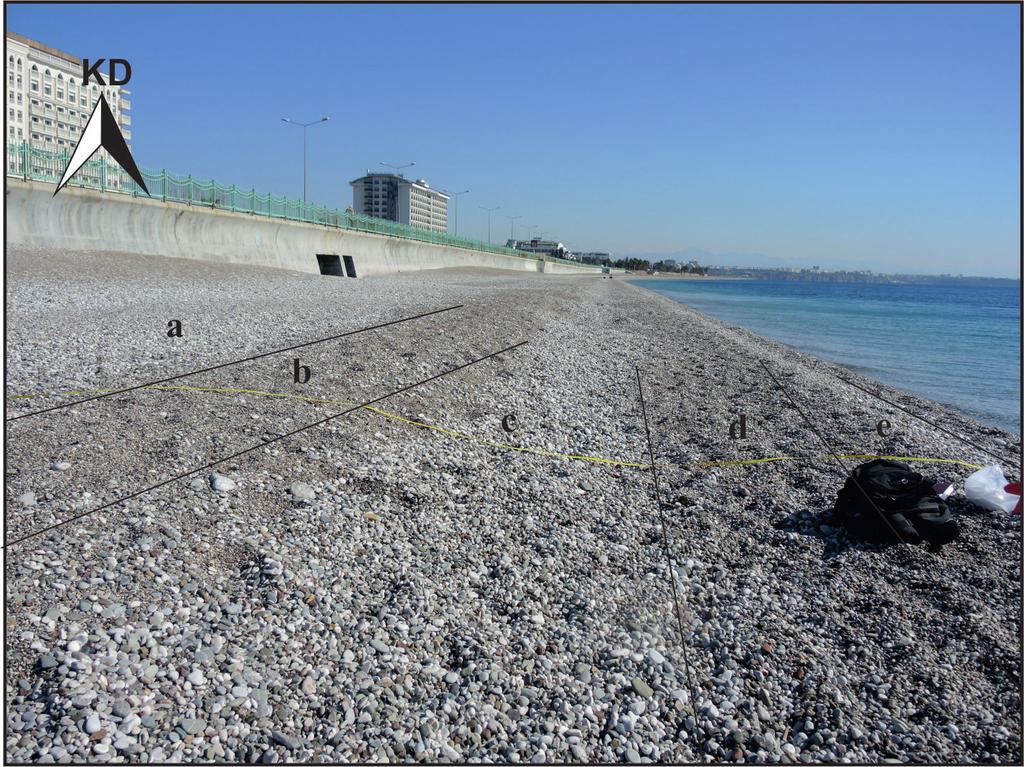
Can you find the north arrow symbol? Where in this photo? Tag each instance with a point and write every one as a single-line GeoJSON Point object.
{"type": "Point", "coordinates": [102, 130]}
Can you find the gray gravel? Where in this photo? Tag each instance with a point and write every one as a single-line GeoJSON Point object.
{"type": "Point", "coordinates": [375, 590]}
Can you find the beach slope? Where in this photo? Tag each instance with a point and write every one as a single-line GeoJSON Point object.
{"type": "Point", "coordinates": [476, 568]}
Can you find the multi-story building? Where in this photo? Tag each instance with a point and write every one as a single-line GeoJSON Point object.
{"type": "Point", "coordinates": [396, 198]}
{"type": "Point", "coordinates": [47, 106]}
{"type": "Point", "coordinates": [546, 247]}
{"type": "Point", "coordinates": [594, 257]}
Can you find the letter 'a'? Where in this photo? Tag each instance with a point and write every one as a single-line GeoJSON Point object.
{"type": "Point", "coordinates": [102, 130]}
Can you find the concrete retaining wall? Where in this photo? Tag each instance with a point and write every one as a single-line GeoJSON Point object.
{"type": "Point", "coordinates": [83, 219]}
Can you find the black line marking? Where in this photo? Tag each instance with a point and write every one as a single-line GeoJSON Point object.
{"type": "Point", "coordinates": [233, 362]}
{"type": "Point", "coordinates": [665, 543]}
{"type": "Point", "coordinates": [923, 419]}
{"type": "Point", "coordinates": [832, 453]}
{"type": "Point", "coordinates": [278, 438]}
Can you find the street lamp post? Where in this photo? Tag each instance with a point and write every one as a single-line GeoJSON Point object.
{"type": "Point", "coordinates": [489, 212]}
{"type": "Point", "coordinates": [512, 233]}
{"type": "Point", "coordinates": [304, 127]}
{"type": "Point", "coordinates": [397, 169]}
{"type": "Point", "coordinates": [456, 196]}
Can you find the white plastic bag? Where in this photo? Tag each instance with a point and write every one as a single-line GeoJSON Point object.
{"type": "Point", "coordinates": [985, 488]}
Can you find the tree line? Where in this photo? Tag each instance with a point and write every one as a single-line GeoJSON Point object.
{"type": "Point", "coordinates": [643, 265]}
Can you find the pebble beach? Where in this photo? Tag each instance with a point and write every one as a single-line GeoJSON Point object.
{"type": "Point", "coordinates": [476, 568]}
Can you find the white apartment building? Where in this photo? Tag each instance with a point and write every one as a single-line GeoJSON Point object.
{"type": "Point", "coordinates": [393, 197]}
{"type": "Point", "coordinates": [543, 247]}
{"type": "Point", "coordinates": [47, 105]}
{"type": "Point", "coordinates": [595, 257]}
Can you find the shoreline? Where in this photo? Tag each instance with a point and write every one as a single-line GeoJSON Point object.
{"type": "Point", "coordinates": [350, 583]}
{"type": "Point", "coordinates": [849, 368]}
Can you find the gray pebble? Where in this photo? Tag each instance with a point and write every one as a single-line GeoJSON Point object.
{"type": "Point", "coordinates": [301, 491]}
{"type": "Point", "coordinates": [193, 726]}
{"type": "Point", "coordinates": [289, 742]}
{"type": "Point", "coordinates": [222, 484]}
{"type": "Point", "coordinates": [642, 688]}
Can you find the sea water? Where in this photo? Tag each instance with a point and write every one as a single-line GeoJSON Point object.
{"type": "Point", "coordinates": [953, 343]}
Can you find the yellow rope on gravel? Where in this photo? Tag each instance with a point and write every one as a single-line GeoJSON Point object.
{"type": "Point", "coordinates": [498, 445]}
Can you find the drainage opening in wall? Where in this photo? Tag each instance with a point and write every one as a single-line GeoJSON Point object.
{"type": "Point", "coordinates": [330, 265]}
{"type": "Point", "coordinates": [350, 266]}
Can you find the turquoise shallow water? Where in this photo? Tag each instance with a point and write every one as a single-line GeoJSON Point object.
{"type": "Point", "coordinates": [955, 344]}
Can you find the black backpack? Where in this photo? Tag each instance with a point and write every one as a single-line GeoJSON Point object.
{"type": "Point", "coordinates": [911, 512]}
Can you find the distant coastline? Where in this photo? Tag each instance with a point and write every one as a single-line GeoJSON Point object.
{"type": "Point", "coordinates": [693, 268]}
{"type": "Point", "coordinates": [822, 275]}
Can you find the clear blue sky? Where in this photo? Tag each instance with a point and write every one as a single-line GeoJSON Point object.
{"type": "Point", "coordinates": [880, 136]}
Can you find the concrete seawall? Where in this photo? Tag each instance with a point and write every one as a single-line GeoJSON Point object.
{"type": "Point", "coordinates": [84, 219]}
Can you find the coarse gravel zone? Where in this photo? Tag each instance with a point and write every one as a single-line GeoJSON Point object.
{"type": "Point", "coordinates": [372, 589]}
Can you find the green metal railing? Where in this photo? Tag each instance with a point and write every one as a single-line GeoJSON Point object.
{"type": "Point", "coordinates": [34, 164]}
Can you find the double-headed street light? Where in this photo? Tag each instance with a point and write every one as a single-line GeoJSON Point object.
{"type": "Point", "coordinates": [456, 196]}
{"type": "Point", "coordinates": [489, 212]}
{"type": "Point", "coordinates": [512, 233]}
{"type": "Point", "coordinates": [304, 126]}
{"type": "Point", "coordinates": [397, 168]}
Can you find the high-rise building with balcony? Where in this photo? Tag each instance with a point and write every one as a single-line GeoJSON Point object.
{"type": "Point", "coordinates": [396, 198]}
{"type": "Point", "coordinates": [47, 105]}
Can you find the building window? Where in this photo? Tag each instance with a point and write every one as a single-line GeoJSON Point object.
{"type": "Point", "coordinates": [35, 86]}
{"type": "Point", "coordinates": [60, 93]}
{"type": "Point", "coordinates": [47, 90]}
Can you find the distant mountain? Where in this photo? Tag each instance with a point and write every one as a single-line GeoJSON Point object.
{"type": "Point", "coordinates": [708, 258]}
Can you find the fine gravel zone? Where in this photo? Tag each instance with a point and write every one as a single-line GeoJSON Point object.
{"type": "Point", "coordinates": [416, 583]}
